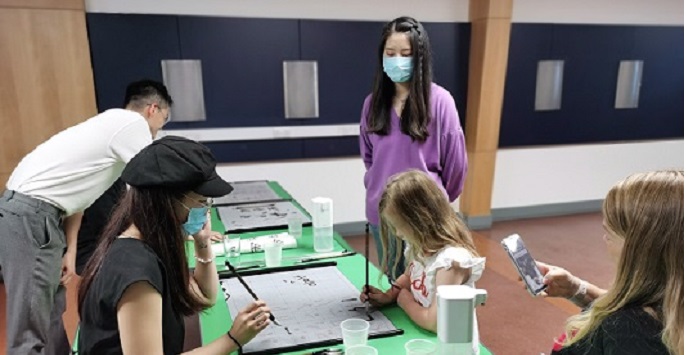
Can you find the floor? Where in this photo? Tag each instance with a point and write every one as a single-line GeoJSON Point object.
{"type": "Point", "coordinates": [512, 322]}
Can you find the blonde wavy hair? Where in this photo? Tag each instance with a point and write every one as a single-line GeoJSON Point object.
{"type": "Point", "coordinates": [647, 211]}
{"type": "Point", "coordinates": [416, 199]}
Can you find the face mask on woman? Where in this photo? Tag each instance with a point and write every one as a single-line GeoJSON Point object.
{"type": "Point", "coordinates": [398, 69]}
{"type": "Point", "coordinates": [197, 217]}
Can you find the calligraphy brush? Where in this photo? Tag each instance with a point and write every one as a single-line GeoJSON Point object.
{"type": "Point", "coordinates": [250, 291]}
{"type": "Point", "coordinates": [366, 266]}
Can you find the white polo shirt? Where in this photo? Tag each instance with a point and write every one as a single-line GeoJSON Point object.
{"type": "Point", "coordinates": [74, 167]}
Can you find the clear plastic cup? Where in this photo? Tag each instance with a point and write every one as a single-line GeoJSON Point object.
{"type": "Point", "coordinates": [420, 347]}
{"type": "Point", "coordinates": [273, 252]}
{"type": "Point", "coordinates": [295, 226]}
{"type": "Point", "coordinates": [355, 332]}
{"type": "Point", "coordinates": [361, 350]}
{"type": "Point", "coordinates": [232, 248]}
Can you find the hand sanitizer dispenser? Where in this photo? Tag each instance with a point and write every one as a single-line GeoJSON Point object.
{"type": "Point", "coordinates": [322, 224]}
{"type": "Point", "coordinates": [456, 320]}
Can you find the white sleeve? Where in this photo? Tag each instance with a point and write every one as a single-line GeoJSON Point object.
{"type": "Point", "coordinates": [462, 257]}
{"type": "Point", "coordinates": [130, 140]}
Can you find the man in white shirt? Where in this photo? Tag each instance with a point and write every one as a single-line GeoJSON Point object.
{"type": "Point", "coordinates": [41, 211]}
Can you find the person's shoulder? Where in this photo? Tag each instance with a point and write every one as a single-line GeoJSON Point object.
{"type": "Point", "coordinates": [367, 101]}
{"type": "Point", "coordinates": [443, 104]}
{"type": "Point", "coordinates": [630, 318]}
{"type": "Point", "coordinates": [121, 115]}
{"type": "Point", "coordinates": [441, 94]}
{"type": "Point", "coordinates": [634, 330]}
{"type": "Point", "coordinates": [454, 251]}
{"type": "Point", "coordinates": [132, 254]}
{"type": "Point", "coordinates": [128, 261]}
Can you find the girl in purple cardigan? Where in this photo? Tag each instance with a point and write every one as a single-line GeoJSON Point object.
{"type": "Point", "coordinates": [408, 122]}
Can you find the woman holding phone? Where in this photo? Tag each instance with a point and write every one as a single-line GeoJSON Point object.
{"type": "Point", "coordinates": [643, 310]}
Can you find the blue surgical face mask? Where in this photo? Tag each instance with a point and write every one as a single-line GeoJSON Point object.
{"type": "Point", "coordinates": [197, 217]}
{"type": "Point", "coordinates": [398, 69]}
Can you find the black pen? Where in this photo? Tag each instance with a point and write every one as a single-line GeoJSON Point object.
{"type": "Point", "coordinates": [250, 291]}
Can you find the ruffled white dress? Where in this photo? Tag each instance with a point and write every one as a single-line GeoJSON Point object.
{"type": "Point", "coordinates": [423, 276]}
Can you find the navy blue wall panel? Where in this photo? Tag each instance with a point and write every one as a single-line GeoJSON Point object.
{"type": "Point", "coordinates": [592, 54]}
{"type": "Point", "coordinates": [346, 56]}
{"type": "Point", "coordinates": [247, 151]}
{"type": "Point", "coordinates": [450, 44]}
{"type": "Point", "coordinates": [331, 147]}
{"type": "Point", "coordinates": [125, 48]}
{"type": "Point", "coordinates": [662, 89]}
{"type": "Point", "coordinates": [243, 85]}
{"type": "Point", "coordinates": [242, 61]}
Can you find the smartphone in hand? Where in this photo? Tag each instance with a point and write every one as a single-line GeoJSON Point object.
{"type": "Point", "coordinates": [524, 263]}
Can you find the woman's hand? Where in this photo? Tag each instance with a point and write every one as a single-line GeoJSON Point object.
{"type": "Point", "coordinates": [250, 321]}
{"type": "Point", "coordinates": [377, 298]}
{"type": "Point", "coordinates": [559, 282]}
{"type": "Point", "coordinates": [214, 236]}
{"type": "Point", "coordinates": [205, 234]}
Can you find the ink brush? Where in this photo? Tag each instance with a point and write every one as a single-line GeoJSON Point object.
{"type": "Point", "coordinates": [366, 267]}
{"type": "Point", "coordinates": [250, 291]}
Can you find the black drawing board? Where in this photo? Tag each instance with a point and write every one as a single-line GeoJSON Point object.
{"type": "Point", "coordinates": [248, 192]}
{"type": "Point", "coordinates": [311, 300]}
{"type": "Point", "coordinates": [260, 216]}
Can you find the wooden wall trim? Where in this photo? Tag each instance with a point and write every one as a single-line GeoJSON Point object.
{"type": "Point", "coordinates": [45, 4]}
{"type": "Point", "coordinates": [489, 47]}
{"type": "Point", "coordinates": [47, 81]}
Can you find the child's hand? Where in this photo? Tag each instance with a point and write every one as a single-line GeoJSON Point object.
{"type": "Point", "coordinates": [377, 298]}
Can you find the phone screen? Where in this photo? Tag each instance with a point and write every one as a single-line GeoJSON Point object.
{"type": "Point", "coordinates": [525, 264]}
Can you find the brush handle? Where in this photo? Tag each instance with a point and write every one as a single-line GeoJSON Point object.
{"type": "Point", "coordinates": [366, 261]}
{"type": "Point", "coordinates": [247, 288]}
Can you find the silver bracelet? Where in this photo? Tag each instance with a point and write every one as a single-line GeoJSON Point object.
{"type": "Point", "coordinates": [205, 261]}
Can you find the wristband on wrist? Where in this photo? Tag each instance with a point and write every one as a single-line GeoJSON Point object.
{"type": "Point", "coordinates": [204, 261]}
{"type": "Point", "coordinates": [240, 348]}
{"type": "Point", "coordinates": [581, 291]}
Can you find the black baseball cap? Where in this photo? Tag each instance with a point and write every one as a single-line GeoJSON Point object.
{"type": "Point", "coordinates": [176, 163]}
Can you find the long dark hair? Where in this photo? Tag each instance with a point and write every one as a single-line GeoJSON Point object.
{"type": "Point", "coordinates": [151, 210]}
{"type": "Point", "coordinates": [416, 114]}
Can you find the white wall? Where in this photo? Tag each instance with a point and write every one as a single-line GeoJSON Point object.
{"type": "Point", "coordinates": [364, 10]}
{"type": "Point", "coordinates": [524, 176]}
{"type": "Point", "coordinates": [658, 12]}
{"type": "Point", "coordinates": [544, 175]}
{"type": "Point", "coordinates": [632, 12]}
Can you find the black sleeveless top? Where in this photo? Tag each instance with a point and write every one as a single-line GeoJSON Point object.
{"type": "Point", "coordinates": [128, 260]}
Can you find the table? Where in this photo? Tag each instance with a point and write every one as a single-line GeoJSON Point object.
{"type": "Point", "coordinates": [216, 321]}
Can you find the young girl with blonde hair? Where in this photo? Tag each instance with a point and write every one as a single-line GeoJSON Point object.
{"type": "Point", "coordinates": [439, 251]}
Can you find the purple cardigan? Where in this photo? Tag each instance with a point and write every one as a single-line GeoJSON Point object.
{"type": "Point", "coordinates": [442, 156]}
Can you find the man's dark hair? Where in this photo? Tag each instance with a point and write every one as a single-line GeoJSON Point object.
{"type": "Point", "coordinates": [145, 92]}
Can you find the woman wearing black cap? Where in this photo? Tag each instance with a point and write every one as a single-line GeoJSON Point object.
{"type": "Point", "coordinates": [137, 288]}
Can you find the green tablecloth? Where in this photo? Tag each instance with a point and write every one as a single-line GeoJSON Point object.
{"type": "Point", "coordinates": [216, 321]}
